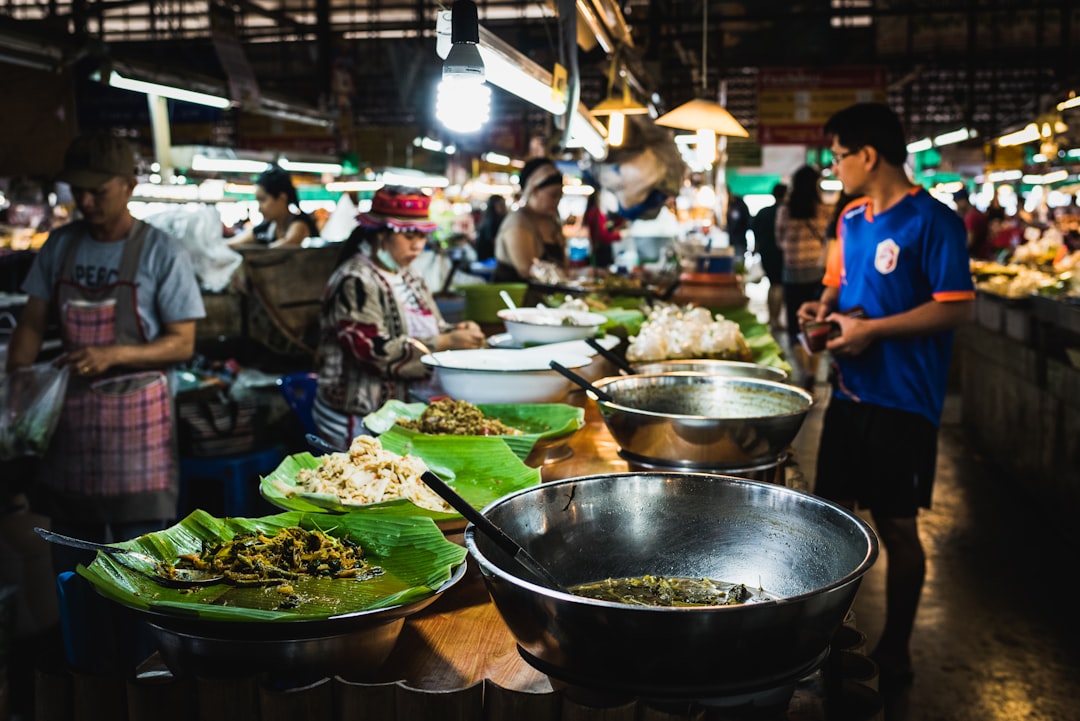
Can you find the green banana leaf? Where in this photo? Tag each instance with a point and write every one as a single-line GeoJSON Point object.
{"type": "Point", "coordinates": [539, 421]}
{"type": "Point", "coordinates": [414, 554]}
{"type": "Point", "coordinates": [763, 347]}
{"type": "Point", "coordinates": [480, 468]}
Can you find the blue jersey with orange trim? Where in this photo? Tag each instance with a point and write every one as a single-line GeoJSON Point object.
{"type": "Point", "coordinates": [889, 263]}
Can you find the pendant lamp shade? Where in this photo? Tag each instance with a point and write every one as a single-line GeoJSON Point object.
{"type": "Point", "coordinates": [625, 105]}
{"type": "Point", "coordinates": [699, 114]}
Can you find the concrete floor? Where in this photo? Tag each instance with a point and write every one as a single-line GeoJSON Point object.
{"type": "Point", "coordinates": [997, 637]}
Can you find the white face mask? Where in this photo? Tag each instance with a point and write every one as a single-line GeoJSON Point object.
{"type": "Point", "coordinates": [384, 257]}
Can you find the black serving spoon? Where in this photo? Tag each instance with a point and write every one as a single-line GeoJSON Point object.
{"type": "Point", "coordinates": [177, 578]}
{"type": "Point", "coordinates": [583, 382]}
{"type": "Point", "coordinates": [490, 530]}
{"type": "Point", "coordinates": [617, 360]}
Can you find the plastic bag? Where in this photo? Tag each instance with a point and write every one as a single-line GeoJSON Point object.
{"type": "Point", "coordinates": [30, 403]}
{"type": "Point", "coordinates": [198, 230]}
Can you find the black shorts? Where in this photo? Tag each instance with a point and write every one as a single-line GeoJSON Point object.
{"type": "Point", "coordinates": [882, 458]}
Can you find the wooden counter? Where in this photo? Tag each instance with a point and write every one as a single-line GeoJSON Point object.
{"type": "Point", "coordinates": [461, 639]}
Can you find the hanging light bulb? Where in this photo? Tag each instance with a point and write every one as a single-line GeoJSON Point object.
{"type": "Point", "coordinates": [463, 102]}
{"type": "Point", "coordinates": [617, 108]}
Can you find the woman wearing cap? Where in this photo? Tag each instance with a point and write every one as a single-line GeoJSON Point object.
{"type": "Point", "coordinates": [372, 309]}
{"type": "Point", "coordinates": [281, 224]}
{"type": "Point", "coordinates": [533, 231]}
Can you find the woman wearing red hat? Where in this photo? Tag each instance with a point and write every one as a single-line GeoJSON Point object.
{"type": "Point", "coordinates": [372, 309]}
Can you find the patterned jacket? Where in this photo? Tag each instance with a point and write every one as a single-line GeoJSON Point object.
{"type": "Point", "coordinates": [364, 356]}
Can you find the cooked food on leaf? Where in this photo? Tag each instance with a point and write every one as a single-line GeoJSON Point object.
{"type": "Point", "coordinates": [669, 591]}
{"type": "Point", "coordinates": [673, 332]}
{"type": "Point", "coordinates": [457, 418]}
{"type": "Point", "coordinates": [370, 474]}
{"type": "Point", "coordinates": [254, 559]}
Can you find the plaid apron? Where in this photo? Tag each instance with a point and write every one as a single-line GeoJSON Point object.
{"type": "Point", "coordinates": [115, 433]}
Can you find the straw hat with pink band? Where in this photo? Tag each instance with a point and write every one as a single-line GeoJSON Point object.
{"type": "Point", "coordinates": [399, 209]}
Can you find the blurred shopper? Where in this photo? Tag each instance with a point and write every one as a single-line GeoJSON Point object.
{"type": "Point", "coordinates": [532, 232]}
{"type": "Point", "coordinates": [976, 224]}
{"type": "Point", "coordinates": [372, 309]}
{"type": "Point", "coordinates": [488, 228]}
{"type": "Point", "coordinates": [126, 299]}
{"type": "Point", "coordinates": [738, 222]}
{"type": "Point", "coordinates": [602, 233]}
{"type": "Point", "coordinates": [772, 258]}
{"type": "Point", "coordinates": [801, 224]}
{"type": "Point", "coordinates": [283, 222]}
{"type": "Point", "coordinates": [901, 257]}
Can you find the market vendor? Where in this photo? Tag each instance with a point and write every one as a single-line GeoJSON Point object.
{"type": "Point", "coordinates": [283, 224]}
{"type": "Point", "coordinates": [373, 308]}
{"type": "Point", "coordinates": [126, 298]}
{"type": "Point", "coordinates": [532, 232]}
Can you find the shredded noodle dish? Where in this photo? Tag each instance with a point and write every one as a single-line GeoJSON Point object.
{"type": "Point", "coordinates": [370, 474]}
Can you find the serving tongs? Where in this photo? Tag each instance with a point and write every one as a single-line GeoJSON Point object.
{"type": "Point", "coordinates": [610, 355]}
{"type": "Point", "coordinates": [155, 569]}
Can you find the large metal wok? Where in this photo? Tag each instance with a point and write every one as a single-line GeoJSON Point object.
{"type": "Point", "coordinates": [702, 422]}
{"type": "Point", "coordinates": [810, 553]}
{"type": "Point", "coordinates": [712, 367]}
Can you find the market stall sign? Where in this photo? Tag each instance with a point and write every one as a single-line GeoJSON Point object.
{"type": "Point", "coordinates": [794, 103]}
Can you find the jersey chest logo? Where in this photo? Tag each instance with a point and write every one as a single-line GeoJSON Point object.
{"type": "Point", "coordinates": [887, 256]}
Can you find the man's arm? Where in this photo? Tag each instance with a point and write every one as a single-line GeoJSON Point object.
{"type": "Point", "coordinates": [25, 343]}
{"type": "Point", "coordinates": [856, 334]}
{"type": "Point", "coordinates": [176, 344]}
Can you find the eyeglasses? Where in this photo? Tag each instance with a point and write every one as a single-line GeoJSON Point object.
{"type": "Point", "coordinates": [838, 155]}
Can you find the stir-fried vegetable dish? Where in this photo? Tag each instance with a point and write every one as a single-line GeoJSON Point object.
{"type": "Point", "coordinates": [458, 418]}
{"type": "Point", "coordinates": [254, 559]}
{"type": "Point", "coordinates": [669, 591]}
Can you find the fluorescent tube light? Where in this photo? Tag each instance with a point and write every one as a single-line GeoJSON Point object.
{"type": "Point", "coordinates": [584, 134]}
{"type": "Point", "coordinates": [1028, 135]}
{"type": "Point", "coordinates": [495, 158]}
{"type": "Point", "coordinates": [117, 80]}
{"type": "Point", "coordinates": [1001, 176]}
{"type": "Point", "coordinates": [1070, 103]}
{"type": "Point", "coordinates": [354, 186]}
{"type": "Point", "coordinates": [227, 165]}
{"type": "Point", "coordinates": [413, 180]}
{"type": "Point", "coordinates": [1055, 176]}
{"type": "Point", "coordinates": [303, 167]}
{"type": "Point", "coordinates": [920, 145]}
{"type": "Point", "coordinates": [955, 136]}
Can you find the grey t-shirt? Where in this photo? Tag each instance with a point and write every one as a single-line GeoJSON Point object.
{"type": "Point", "coordinates": [166, 285]}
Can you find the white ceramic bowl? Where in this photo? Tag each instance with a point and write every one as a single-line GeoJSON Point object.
{"type": "Point", "coordinates": [534, 326]}
{"type": "Point", "coordinates": [495, 375]}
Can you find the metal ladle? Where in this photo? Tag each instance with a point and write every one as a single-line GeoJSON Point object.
{"type": "Point", "coordinates": [493, 532]}
{"type": "Point", "coordinates": [579, 380]}
{"type": "Point", "coordinates": [177, 578]}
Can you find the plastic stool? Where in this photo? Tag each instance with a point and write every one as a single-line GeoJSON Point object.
{"type": "Point", "coordinates": [299, 392]}
{"type": "Point", "coordinates": [98, 634]}
{"type": "Point", "coordinates": [236, 474]}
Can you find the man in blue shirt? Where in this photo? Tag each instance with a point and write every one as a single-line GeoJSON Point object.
{"type": "Point", "coordinates": [901, 257]}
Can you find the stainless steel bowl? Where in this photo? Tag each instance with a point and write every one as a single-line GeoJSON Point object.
{"type": "Point", "coordinates": [351, 645]}
{"type": "Point", "coordinates": [702, 422]}
{"type": "Point", "coordinates": [809, 552]}
{"type": "Point", "coordinates": [713, 367]}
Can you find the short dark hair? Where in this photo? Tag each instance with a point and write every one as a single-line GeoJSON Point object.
{"type": "Point", "coordinates": [870, 125]}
